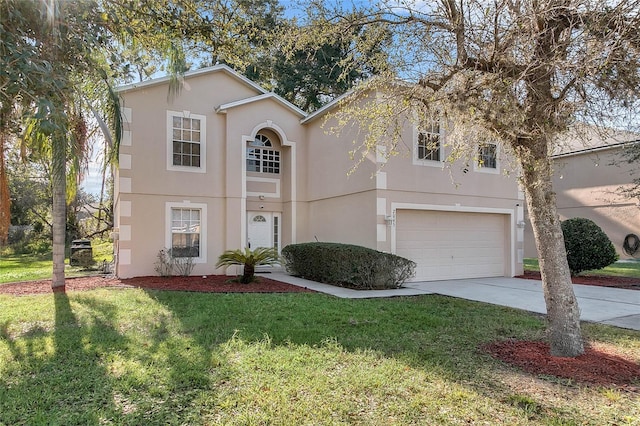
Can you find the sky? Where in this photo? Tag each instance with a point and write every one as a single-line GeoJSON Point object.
{"type": "Point", "coordinates": [92, 181]}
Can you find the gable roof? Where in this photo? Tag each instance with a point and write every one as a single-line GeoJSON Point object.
{"type": "Point", "coordinates": [326, 108]}
{"type": "Point", "coordinates": [203, 71]}
{"type": "Point", "coordinates": [373, 87]}
{"type": "Point", "coordinates": [222, 109]}
{"type": "Point", "coordinates": [584, 138]}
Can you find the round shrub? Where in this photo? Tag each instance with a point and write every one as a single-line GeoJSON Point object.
{"type": "Point", "coordinates": [588, 247]}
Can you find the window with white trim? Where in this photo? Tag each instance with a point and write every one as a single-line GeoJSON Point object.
{"type": "Point", "coordinates": [428, 146]}
{"type": "Point", "coordinates": [186, 230]}
{"type": "Point", "coordinates": [487, 156]}
{"type": "Point", "coordinates": [261, 157]}
{"type": "Point", "coordinates": [186, 150]}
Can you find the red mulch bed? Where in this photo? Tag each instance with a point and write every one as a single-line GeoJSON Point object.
{"type": "Point", "coordinates": [210, 284]}
{"type": "Point", "coordinates": [616, 282]}
{"type": "Point", "coordinates": [600, 367]}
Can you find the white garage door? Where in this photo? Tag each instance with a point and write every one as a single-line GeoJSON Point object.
{"type": "Point", "coordinates": [452, 245]}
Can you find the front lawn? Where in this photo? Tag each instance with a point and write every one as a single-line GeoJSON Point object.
{"type": "Point", "coordinates": [622, 268]}
{"type": "Point", "coordinates": [116, 356]}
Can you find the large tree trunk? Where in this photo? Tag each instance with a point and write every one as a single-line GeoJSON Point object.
{"type": "Point", "coordinates": [563, 313]}
{"type": "Point", "coordinates": [59, 209]}
{"type": "Point", "coordinates": [5, 201]}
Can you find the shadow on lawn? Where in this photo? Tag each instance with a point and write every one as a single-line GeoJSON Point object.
{"type": "Point", "coordinates": [88, 370]}
{"type": "Point", "coordinates": [60, 381]}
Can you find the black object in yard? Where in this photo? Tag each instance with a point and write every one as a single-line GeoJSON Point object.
{"type": "Point", "coordinates": [76, 246]}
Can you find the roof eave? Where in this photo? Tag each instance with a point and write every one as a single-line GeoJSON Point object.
{"type": "Point", "coordinates": [222, 109]}
{"type": "Point", "coordinates": [189, 74]}
{"type": "Point", "coordinates": [596, 149]}
{"type": "Point", "coordinates": [326, 108]}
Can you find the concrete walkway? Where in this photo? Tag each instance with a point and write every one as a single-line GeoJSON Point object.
{"type": "Point", "coordinates": [611, 306]}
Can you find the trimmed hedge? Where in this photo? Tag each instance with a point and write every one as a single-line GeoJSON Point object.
{"type": "Point", "coordinates": [588, 247]}
{"type": "Point", "coordinates": [347, 265]}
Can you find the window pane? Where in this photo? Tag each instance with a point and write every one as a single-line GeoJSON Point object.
{"type": "Point", "coordinates": [487, 156]}
{"type": "Point", "coordinates": [429, 146]}
{"type": "Point", "coordinates": [185, 229]}
{"type": "Point", "coordinates": [253, 166]}
{"type": "Point", "coordinates": [186, 141]}
{"type": "Point", "coordinates": [185, 245]}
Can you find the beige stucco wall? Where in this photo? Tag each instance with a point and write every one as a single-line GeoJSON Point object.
{"type": "Point", "coordinates": [356, 208]}
{"type": "Point", "coordinates": [349, 219]}
{"type": "Point", "coordinates": [587, 185]}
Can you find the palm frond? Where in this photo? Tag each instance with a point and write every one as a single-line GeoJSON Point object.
{"type": "Point", "coordinates": [261, 256]}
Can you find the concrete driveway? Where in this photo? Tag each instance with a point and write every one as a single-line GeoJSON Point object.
{"type": "Point", "coordinates": [611, 306]}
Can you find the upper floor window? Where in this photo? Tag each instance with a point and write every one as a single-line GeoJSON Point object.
{"type": "Point", "coordinates": [261, 157]}
{"type": "Point", "coordinates": [488, 156]}
{"type": "Point", "coordinates": [186, 142]}
{"type": "Point", "coordinates": [428, 146]}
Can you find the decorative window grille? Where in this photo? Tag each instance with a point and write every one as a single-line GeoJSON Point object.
{"type": "Point", "coordinates": [260, 158]}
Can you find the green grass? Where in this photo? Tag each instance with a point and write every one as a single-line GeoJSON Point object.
{"type": "Point", "coordinates": [125, 356]}
{"type": "Point", "coordinates": [618, 269]}
{"type": "Point", "coordinates": [24, 267]}
{"type": "Point", "coordinates": [29, 267]}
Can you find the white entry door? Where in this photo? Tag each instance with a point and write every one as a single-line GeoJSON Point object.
{"type": "Point", "coordinates": [260, 229]}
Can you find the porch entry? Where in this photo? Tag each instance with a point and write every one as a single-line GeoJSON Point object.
{"type": "Point", "coordinates": [263, 230]}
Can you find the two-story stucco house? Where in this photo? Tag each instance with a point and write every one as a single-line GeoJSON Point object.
{"type": "Point", "coordinates": [224, 165]}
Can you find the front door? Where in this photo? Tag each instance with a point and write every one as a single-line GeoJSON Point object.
{"type": "Point", "coordinates": [260, 229]}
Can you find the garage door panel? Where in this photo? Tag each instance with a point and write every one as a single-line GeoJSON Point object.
{"type": "Point", "coordinates": [452, 245]}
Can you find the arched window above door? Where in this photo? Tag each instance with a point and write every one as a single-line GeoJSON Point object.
{"type": "Point", "coordinates": [261, 157]}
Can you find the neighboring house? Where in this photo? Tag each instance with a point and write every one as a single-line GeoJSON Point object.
{"type": "Point", "coordinates": [589, 173]}
{"type": "Point", "coordinates": [225, 165]}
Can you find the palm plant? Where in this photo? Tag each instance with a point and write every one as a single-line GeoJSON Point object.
{"type": "Point", "coordinates": [261, 256]}
{"type": "Point", "coordinates": [60, 54]}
